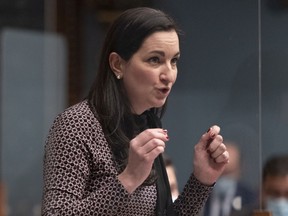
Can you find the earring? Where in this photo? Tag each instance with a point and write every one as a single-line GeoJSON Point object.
{"type": "Point", "coordinates": [118, 76]}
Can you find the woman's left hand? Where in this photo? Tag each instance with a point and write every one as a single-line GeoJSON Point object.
{"type": "Point", "coordinates": [210, 156]}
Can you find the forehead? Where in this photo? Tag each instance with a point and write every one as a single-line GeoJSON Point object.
{"type": "Point", "coordinates": [161, 39]}
{"type": "Point", "coordinates": [276, 182]}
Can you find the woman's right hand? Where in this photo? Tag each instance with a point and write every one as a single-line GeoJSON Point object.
{"type": "Point", "coordinates": [143, 150]}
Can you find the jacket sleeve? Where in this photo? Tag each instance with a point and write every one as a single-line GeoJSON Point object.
{"type": "Point", "coordinates": [193, 198]}
{"type": "Point", "coordinates": [67, 170]}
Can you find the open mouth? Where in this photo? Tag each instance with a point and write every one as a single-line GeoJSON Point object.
{"type": "Point", "coordinates": [165, 90]}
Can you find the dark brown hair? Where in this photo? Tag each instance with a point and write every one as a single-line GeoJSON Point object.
{"type": "Point", "coordinates": [276, 166]}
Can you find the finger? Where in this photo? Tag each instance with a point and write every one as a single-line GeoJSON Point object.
{"type": "Point", "coordinates": [155, 152]}
{"type": "Point", "coordinates": [218, 151]}
{"type": "Point", "coordinates": [210, 134]}
{"type": "Point", "coordinates": [214, 144]}
{"type": "Point", "coordinates": [223, 158]}
{"type": "Point", "coordinates": [152, 144]}
{"type": "Point", "coordinates": [149, 134]}
{"type": "Point", "coordinates": [150, 150]}
{"type": "Point", "coordinates": [213, 131]}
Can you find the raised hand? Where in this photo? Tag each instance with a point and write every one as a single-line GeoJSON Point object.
{"type": "Point", "coordinates": [210, 156]}
{"type": "Point", "coordinates": [144, 148]}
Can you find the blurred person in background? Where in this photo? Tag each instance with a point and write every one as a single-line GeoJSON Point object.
{"type": "Point", "coordinates": [275, 185]}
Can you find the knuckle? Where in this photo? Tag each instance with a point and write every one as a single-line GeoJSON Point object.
{"type": "Point", "coordinates": [212, 148]}
{"type": "Point", "coordinates": [146, 158]}
{"type": "Point", "coordinates": [226, 155]}
{"type": "Point", "coordinates": [219, 138]}
{"type": "Point", "coordinates": [159, 149]}
{"type": "Point", "coordinates": [149, 132]}
{"type": "Point", "coordinates": [223, 147]}
{"type": "Point", "coordinates": [154, 142]}
{"type": "Point", "coordinates": [203, 136]}
{"type": "Point", "coordinates": [132, 144]}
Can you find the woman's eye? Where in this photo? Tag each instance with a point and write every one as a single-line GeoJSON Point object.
{"type": "Point", "coordinates": [154, 60]}
{"type": "Point", "coordinates": [174, 61]}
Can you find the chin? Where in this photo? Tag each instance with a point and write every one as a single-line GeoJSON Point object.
{"type": "Point", "coordinates": [159, 105]}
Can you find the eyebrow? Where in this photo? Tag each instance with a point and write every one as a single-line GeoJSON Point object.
{"type": "Point", "coordinates": [162, 53]}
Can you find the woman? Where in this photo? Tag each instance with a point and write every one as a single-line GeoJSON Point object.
{"type": "Point", "coordinates": [103, 155]}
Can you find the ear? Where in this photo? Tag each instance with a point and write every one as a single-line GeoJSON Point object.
{"type": "Point", "coordinates": [116, 62]}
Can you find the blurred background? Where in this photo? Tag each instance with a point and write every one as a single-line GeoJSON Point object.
{"type": "Point", "coordinates": [233, 72]}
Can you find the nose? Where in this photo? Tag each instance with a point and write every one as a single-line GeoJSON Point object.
{"type": "Point", "coordinates": [169, 73]}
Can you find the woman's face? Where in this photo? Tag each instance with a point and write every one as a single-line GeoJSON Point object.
{"type": "Point", "coordinates": [151, 72]}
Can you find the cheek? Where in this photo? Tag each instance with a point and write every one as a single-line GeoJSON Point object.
{"type": "Point", "coordinates": [143, 77]}
{"type": "Point", "coordinates": [136, 79]}
{"type": "Point", "coordinates": [140, 76]}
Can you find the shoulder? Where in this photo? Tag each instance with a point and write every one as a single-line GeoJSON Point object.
{"type": "Point", "coordinates": [78, 116]}
{"type": "Point", "coordinates": [79, 110]}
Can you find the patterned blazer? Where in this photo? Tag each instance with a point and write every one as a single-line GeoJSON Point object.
{"type": "Point", "coordinates": [80, 176]}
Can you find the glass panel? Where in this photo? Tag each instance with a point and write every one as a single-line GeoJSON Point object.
{"type": "Point", "coordinates": [218, 83]}
{"type": "Point", "coordinates": [274, 41]}
{"type": "Point", "coordinates": [33, 91]}
{"type": "Point", "coordinates": [275, 76]}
